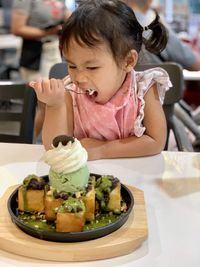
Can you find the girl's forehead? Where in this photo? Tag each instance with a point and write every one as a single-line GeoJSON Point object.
{"type": "Point", "coordinates": [74, 46]}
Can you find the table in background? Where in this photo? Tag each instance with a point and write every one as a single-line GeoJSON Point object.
{"type": "Point", "coordinates": [10, 41]}
{"type": "Point", "coordinates": [171, 185]}
{"type": "Point", "coordinates": [10, 46]}
{"type": "Point", "coordinates": [191, 75]}
{"type": "Point", "coordinates": [192, 81]}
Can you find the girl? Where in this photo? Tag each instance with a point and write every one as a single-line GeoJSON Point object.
{"type": "Point", "coordinates": [113, 110]}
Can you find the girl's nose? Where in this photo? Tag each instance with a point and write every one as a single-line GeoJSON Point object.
{"type": "Point", "coordinates": [80, 77]}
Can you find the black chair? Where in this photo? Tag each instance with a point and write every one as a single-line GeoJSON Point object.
{"type": "Point", "coordinates": [184, 114]}
{"type": "Point", "coordinates": [58, 71]}
{"type": "Point", "coordinates": [21, 110]}
{"type": "Point", "coordinates": [172, 97]}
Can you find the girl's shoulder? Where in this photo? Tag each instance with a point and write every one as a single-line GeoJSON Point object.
{"type": "Point", "coordinates": [157, 74]}
{"type": "Point", "coordinates": [144, 80]}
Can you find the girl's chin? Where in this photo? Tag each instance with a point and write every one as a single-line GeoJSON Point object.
{"type": "Point", "coordinates": [95, 97]}
{"type": "Point", "coordinates": [101, 101]}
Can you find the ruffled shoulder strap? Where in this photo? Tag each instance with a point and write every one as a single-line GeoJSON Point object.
{"type": "Point", "coordinates": [143, 82]}
{"type": "Point", "coordinates": [145, 79]}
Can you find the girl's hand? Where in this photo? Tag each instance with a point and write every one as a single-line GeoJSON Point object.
{"type": "Point", "coordinates": [51, 92]}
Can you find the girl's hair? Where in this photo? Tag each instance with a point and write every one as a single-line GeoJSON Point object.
{"type": "Point", "coordinates": [111, 21]}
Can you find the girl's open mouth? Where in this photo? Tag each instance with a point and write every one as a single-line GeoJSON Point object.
{"type": "Point", "coordinates": [91, 92]}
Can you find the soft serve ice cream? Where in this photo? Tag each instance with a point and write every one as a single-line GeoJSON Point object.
{"type": "Point", "coordinates": [68, 165]}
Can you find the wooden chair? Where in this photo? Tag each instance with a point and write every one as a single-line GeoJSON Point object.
{"type": "Point", "coordinates": [172, 97]}
{"type": "Point", "coordinates": [21, 111]}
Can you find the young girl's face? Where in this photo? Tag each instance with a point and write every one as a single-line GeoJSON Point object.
{"type": "Point", "coordinates": [95, 68]}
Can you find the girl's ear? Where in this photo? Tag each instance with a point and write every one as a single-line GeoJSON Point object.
{"type": "Point", "coordinates": [131, 60]}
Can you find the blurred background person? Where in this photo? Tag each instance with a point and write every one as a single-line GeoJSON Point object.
{"type": "Point", "coordinates": [175, 51]}
{"type": "Point", "coordinates": [38, 23]}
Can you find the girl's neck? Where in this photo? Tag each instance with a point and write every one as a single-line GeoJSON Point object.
{"type": "Point", "coordinates": [137, 8]}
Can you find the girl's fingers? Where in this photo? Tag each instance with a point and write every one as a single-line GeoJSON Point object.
{"type": "Point", "coordinates": [54, 84]}
{"type": "Point", "coordinates": [57, 85]}
{"type": "Point", "coordinates": [50, 92]}
{"type": "Point", "coordinates": [46, 86]}
{"type": "Point", "coordinates": [36, 85]}
{"type": "Point", "coordinates": [61, 85]}
{"type": "Point", "coordinates": [32, 84]}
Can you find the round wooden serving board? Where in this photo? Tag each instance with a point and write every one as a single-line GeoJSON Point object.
{"type": "Point", "coordinates": [121, 242]}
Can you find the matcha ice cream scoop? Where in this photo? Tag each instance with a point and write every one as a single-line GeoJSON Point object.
{"type": "Point", "coordinates": [68, 165]}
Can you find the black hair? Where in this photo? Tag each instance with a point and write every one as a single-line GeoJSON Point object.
{"type": "Point", "coordinates": [96, 21]}
{"type": "Point", "coordinates": [154, 44]}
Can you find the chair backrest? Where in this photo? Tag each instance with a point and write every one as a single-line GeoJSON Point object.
{"type": "Point", "coordinates": [21, 109]}
{"type": "Point", "coordinates": [58, 71]}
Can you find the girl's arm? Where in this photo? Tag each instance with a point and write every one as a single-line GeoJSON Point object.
{"type": "Point", "coordinates": [152, 142]}
{"type": "Point", "coordinates": [58, 112]}
{"type": "Point", "coordinates": [58, 121]}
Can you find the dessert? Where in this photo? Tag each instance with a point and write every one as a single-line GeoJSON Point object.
{"type": "Point", "coordinates": [70, 216]}
{"type": "Point", "coordinates": [89, 199]}
{"type": "Point", "coordinates": [108, 193]}
{"type": "Point", "coordinates": [68, 174]}
{"type": "Point", "coordinates": [68, 165]}
{"type": "Point", "coordinates": [69, 199]}
{"type": "Point", "coordinates": [52, 202]}
{"type": "Point", "coordinates": [31, 194]}
{"type": "Point", "coordinates": [98, 205]}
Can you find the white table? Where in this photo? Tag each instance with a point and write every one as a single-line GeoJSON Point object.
{"type": "Point", "coordinates": [10, 41]}
{"type": "Point", "coordinates": [191, 75]}
{"type": "Point", "coordinates": [171, 184]}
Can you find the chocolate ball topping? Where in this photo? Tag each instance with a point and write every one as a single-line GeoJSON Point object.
{"type": "Point", "coordinates": [64, 139]}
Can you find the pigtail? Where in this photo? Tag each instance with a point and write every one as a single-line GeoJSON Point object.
{"type": "Point", "coordinates": [158, 37]}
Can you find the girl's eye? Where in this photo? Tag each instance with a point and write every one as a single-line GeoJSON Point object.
{"type": "Point", "coordinates": [71, 67]}
{"type": "Point", "coordinates": [92, 68]}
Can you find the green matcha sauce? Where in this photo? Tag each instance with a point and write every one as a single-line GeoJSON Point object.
{"type": "Point", "coordinates": [100, 221]}
{"type": "Point", "coordinates": [41, 224]}
{"type": "Point", "coordinates": [36, 223]}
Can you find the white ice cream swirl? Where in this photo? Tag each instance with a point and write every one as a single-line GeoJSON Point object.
{"type": "Point", "coordinates": [66, 158]}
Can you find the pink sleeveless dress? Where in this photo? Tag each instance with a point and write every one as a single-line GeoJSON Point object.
{"type": "Point", "coordinates": [123, 115]}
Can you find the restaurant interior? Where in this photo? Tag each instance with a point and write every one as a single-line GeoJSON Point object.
{"type": "Point", "coordinates": [162, 229]}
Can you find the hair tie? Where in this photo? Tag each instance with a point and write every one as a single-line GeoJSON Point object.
{"type": "Point", "coordinates": [146, 32]}
{"type": "Point", "coordinates": [146, 28]}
